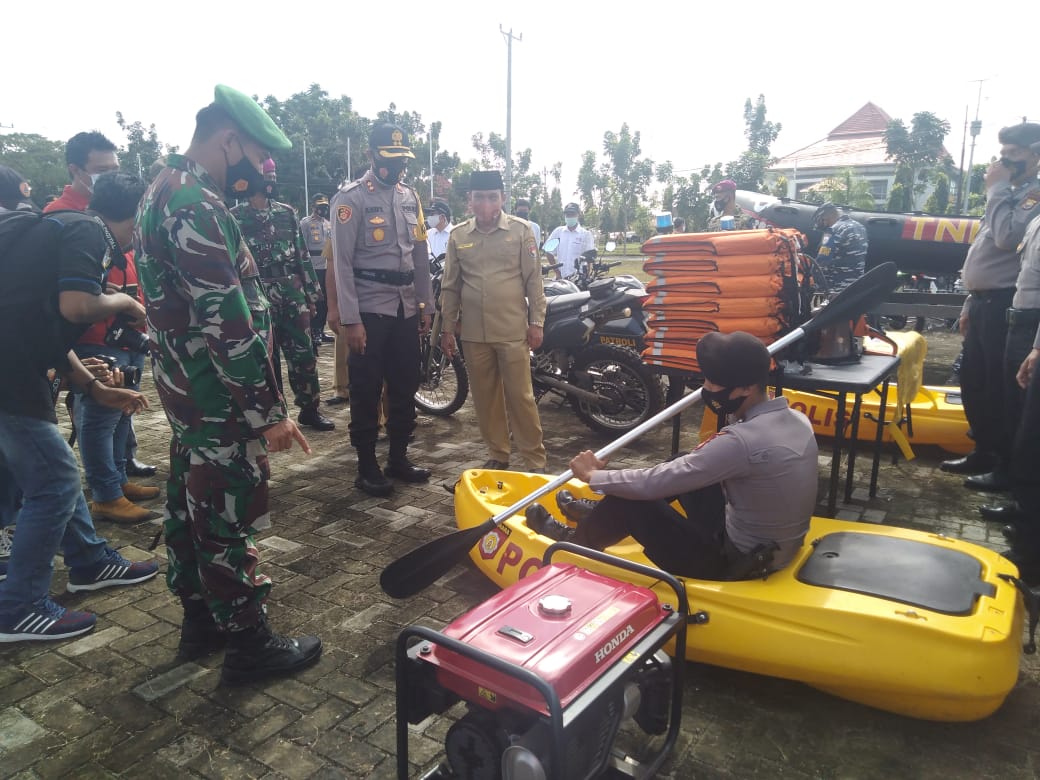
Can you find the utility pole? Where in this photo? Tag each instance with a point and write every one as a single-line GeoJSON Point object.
{"type": "Point", "coordinates": [976, 128]}
{"type": "Point", "coordinates": [431, 167]}
{"type": "Point", "coordinates": [306, 188]}
{"type": "Point", "coordinates": [963, 177]}
{"type": "Point", "coordinates": [509, 110]}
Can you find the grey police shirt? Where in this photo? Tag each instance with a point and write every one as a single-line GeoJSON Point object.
{"type": "Point", "coordinates": [768, 470]}
{"type": "Point", "coordinates": [992, 261]}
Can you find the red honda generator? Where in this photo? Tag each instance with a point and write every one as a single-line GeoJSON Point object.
{"type": "Point", "coordinates": [550, 670]}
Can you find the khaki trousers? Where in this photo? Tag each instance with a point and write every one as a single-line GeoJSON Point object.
{"type": "Point", "coordinates": [500, 378]}
{"type": "Point", "coordinates": [339, 362]}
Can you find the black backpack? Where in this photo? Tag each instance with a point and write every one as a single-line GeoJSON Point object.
{"type": "Point", "coordinates": [14, 225]}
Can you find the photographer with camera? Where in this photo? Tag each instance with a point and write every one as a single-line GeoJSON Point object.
{"type": "Point", "coordinates": [54, 276]}
{"type": "Point", "coordinates": [103, 432]}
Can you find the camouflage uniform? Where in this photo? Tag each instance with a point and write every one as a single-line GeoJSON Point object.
{"type": "Point", "coordinates": [276, 242]}
{"type": "Point", "coordinates": [743, 220]}
{"type": "Point", "coordinates": [843, 253]}
{"type": "Point", "coordinates": [209, 325]}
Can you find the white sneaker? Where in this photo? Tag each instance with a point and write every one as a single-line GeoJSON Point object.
{"type": "Point", "coordinates": [6, 541]}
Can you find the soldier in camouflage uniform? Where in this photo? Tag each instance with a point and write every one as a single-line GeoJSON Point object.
{"type": "Point", "coordinates": [209, 326]}
{"type": "Point", "coordinates": [272, 232]}
{"type": "Point", "coordinates": [725, 205]}
{"type": "Point", "coordinates": [843, 248]}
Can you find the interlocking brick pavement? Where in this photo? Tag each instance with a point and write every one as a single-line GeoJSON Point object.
{"type": "Point", "coordinates": [115, 703]}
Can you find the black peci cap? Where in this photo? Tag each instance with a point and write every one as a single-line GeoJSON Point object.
{"type": "Point", "coordinates": [733, 359]}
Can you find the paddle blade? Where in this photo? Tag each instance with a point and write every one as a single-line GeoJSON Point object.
{"type": "Point", "coordinates": [858, 298]}
{"type": "Point", "coordinates": [426, 564]}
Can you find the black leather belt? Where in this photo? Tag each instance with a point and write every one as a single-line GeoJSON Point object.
{"type": "Point", "coordinates": [991, 295]}
{"type": "Point", "coordinates": [314, 253]}
{"type": "Point", "coordinates": [394, 278]}
{"type": "Point", "coordinates": [1029, 317]}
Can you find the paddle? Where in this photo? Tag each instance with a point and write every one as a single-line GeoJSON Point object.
{"type": "Point", "coordinates": [427, 563]}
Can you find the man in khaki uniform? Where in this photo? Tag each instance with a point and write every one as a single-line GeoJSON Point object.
{"type": "Point", "coordinates": [491, 265]}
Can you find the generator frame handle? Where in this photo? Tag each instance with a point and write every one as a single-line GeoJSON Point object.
{"type": "Point", "coordinates": [683, 604]}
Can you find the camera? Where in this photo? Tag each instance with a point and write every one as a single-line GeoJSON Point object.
{"type": "Point", "coordinates": [131, 374]}
{"type": "Point", "coordinates": [121, 334]}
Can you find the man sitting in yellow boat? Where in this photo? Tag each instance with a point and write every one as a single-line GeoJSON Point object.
{"type": "Point", "coordinates": [747, 492]}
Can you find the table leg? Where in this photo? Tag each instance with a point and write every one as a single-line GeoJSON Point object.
{"type": "Point", "coordinates": [839, 441]}
{"type": "Point", "coordinates": [675, 392]}
{"type": "Point", "coordinates": [877, 439]}
{"type": "Point", "coordinates": [857, 411]}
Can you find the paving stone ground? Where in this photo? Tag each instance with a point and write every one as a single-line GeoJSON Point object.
{"type": "Point", "coordinates": [115, 703]}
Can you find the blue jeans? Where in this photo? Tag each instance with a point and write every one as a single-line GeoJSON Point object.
{"type": "Point", "coordinates": [54, 512]}
{"type": "Point", "coordinates": [103, 432]}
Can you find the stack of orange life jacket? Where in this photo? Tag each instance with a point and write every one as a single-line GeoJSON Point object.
{"type": "Point", "coordinates": [757, 281]}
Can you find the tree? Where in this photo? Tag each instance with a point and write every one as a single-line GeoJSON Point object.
{"type": "Point", "coordinates": [526, 183]}
{"type": "Point", "coordinates": [606, 222]}
{"type": "Point", "coordinates": [916, 151]}
{"type": "Point", "coordinates": [749, 170]}
{"type": "Point", "coordinates": [939, 201]}
{"type": "Point", "coordinates": [142, 148]}
{"type": "Point", "coordinates": [843, 189]}
{"type": "Point", "coordinates": [779, 187]}
{"type": "Point", "coordinates": [40, 160]}
{"type": "Point", "coordinates": [629, 175]}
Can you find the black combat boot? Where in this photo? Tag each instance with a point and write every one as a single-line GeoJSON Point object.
{"type": "Point", "coordinates": [574, 509]}
{"type": "Point", "coordinates": [401, 468]}
{"type": "Point", "coordinates": [200, 635]}
{"type": "Point", "coordinates": [370, 477]}
{"type": "Point", "coordinates": [256, 653]}
{"type": "Point", "coordinates": [312, 418]}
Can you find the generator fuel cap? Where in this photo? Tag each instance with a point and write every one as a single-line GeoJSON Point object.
{"type": "Point", "coordinates": [554, 605]}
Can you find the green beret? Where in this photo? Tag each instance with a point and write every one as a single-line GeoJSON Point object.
{"type": "Point", "coordinates": [253, 120]}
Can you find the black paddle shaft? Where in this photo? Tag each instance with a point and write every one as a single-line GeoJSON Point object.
{"type": "Point", "coordinates": [427, 563]}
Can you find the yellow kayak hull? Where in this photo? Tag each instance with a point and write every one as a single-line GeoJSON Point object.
{"type": "Point", "coordinates": [936, 414]}
{"type": "Point", "coordinates": [882, 653]}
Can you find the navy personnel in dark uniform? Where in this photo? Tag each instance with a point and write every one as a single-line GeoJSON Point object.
{"type": "Point", "coordinates": [990, 271]}
{"type": "Point", "coordinates": [843, 248]}
{"type": "Point", "coordinates": [734, 526]}
{"type": "Point", "coordinates": [385, 301]}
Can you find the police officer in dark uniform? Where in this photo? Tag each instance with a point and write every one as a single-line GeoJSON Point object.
{"type": "Point", "coordinates": [385, 301]}
{"type": "Point", "coordinates": [990, 272]}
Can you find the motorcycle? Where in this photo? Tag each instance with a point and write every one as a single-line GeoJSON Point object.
{"type": "Point", "coordinates": [624, 331]}
{"type": "Point", "coordinates": [609, 387]}
{"type": "Point", "coordinates": [443, 381]}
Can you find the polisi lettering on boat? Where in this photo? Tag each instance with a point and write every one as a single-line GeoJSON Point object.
{"type": "Point", "coordinates": [813, 413]}
{"type": "Point", "coordinates": [513, 555]}
{"type": "Point", "coordinates": [614, 643]}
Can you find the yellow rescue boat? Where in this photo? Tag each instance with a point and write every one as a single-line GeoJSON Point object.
{"type": "Point", "coordinates": [936, 416]}
{"type": "Point", "coordinates": [914, 623]}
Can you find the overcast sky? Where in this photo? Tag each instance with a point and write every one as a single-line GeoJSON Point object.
{"type": "Point", "coordinates": [678, 72]}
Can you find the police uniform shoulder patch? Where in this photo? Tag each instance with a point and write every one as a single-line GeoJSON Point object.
{"type": "Point", "coordinates": [343, 214]}
{"type": "Point", "coordinates": [1031, 199]}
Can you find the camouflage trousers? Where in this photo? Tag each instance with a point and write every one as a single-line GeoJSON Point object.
{"type": "Point", "coordinates": [216, 499]}
{"type": "Point", "coordinates": [292, 336]}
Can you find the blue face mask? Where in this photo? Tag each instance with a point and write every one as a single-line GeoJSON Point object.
{"type": "Point", "coordinates": [571, 221]}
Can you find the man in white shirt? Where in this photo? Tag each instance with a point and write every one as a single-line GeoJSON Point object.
{"type": "Point", "coordinates": [523, 210]}
{"type": "Point", "coordinates": [438, 226]}
{"type": "Point", "coordinates": [574, 240]}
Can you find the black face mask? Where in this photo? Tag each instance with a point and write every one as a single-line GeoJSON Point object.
{"type": "Point", "coordinates": [323, 211]}
{"type": "Point", "coordinates": [720, 204]}
{"type": "Point", "coordinates": [1018, 167]}
{"type": "Point", "coordinates": [524, 214]}
{"type": "Point", "coordinates": [270, 190]}
{"type": "Point", "coordinates": [242, 178]}
{"type": "Point", "coordinates": [720, 402]}
{"type": "Point", "coordinates": [393, 169]}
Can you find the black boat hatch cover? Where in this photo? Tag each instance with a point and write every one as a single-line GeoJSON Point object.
{"type": "Point", "coordinates": [903, 570]}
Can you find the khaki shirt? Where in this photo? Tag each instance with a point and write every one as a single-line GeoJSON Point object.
{"type": "Point", "coordinates": [495, 278]}
{"type": "Point", "coordinates": [316, 231]}
{"type": "Point", "coordinates": [379, 228]}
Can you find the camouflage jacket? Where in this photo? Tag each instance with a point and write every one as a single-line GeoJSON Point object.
{"type": "Point", "coordinates": [208, 317]}
{"type": "Point", "coordinates": [277, 244]}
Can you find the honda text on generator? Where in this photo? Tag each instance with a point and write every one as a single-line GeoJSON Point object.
{"type": "Point", "coordinates": [549, 670]}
